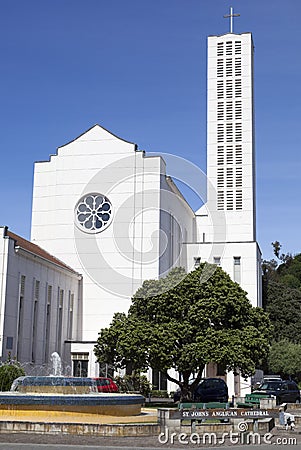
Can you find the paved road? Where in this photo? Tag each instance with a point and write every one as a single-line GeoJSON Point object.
{"type": "Point", "coordinates": [62, 447]}
{"type": "Point", "coordinates": [10, 446]}
{"type": "Point", "coordinates": [68, 442]}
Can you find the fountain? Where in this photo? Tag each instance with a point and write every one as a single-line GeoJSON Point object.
{"type": "Point", "coordinates": [64, 402]}
{"type": "Point", "coordinates": [67, 397]}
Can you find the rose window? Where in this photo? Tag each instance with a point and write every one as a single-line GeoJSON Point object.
{"type": "Point", "coordinates": [93, 213]}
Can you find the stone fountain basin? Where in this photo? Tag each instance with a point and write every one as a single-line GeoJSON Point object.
{"type": "Point", "coordinates": [94, 403]}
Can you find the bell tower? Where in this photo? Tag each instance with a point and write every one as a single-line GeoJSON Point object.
{"type": "Point", "coordinates": [230, 132]}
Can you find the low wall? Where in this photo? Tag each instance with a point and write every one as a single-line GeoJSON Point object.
{"type": "Point", "coordinates": [80, 429]}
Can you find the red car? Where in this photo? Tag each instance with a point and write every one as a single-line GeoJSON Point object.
{"type": "Point", "coordinates": [106, 385]}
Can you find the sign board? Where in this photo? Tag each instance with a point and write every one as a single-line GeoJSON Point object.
{"type": "Point", "coordinates": [233, 413]}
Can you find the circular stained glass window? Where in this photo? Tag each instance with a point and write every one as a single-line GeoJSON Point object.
{"type": "Point", "coordinates": [93, 213]}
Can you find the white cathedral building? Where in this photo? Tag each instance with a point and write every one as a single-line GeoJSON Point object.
{"type": "Point", "coordinates": [106, 217]}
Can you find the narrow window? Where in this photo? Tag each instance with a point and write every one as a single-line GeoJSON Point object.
{"type": "Point", "coordinates": [229, 89]}
{"type": "Point", "coordinates": [9, 343]}
{"type": "Point", "coordinates": [238, 200]}
{"type": "Point", "coordinates": [60, 319]}
{"type": "Point", "coordinates": [220, 200]}
{"type": "Point", "coordinates": [159, 380]}
{"type": "Point", "coordinates": [238, 176]}
{"type": "Point", "coordinates": [220, 49]}
{"type": "Point", "coordinates": [229, 48]}
{"type": "Point", "coordinates": [220, 132]}
{"type": "Point", "coordinates": [229, 200]}
{"type": "Point", "coordinates": [229, 132]}
{"type": "Point", "coordinates": [237, 47]}
{"type": "Point", "coordinates": [238, 67]}
{"type": "Point", "coordinates": [220, 110]}
{"type": "Point", "coordinates": [229, 154]}
{"type": "Point", "coordinates": [220, 89]}
{"type": "Point", "coordinates": [35, 319]}
{"type": "Point", "coordinates": [229, 177]}
{"type": "Point", "coordinates": [47, 323]}
{"type": "Point", "coordinates": [238, 153]}
{"type": "Point", "coordinates": [217, 260]}
{"type": "Point", "coordinates": [237, 269]}
{"type": "Point", "coordinates": [220, 155]}
{"type": "Point", "coordinates": [220, 177]}
{"type": "Point", "coordinates": [238, 90]}
{"type": "Point", "coordinates": [229, 67]}
{"type": "Point", "coordinates": [229, 110]}
{"type": "Point", "coordinates": [20, 316]}
{"type": "Point", "coordinates": [70, 315]}
{"type": "Point", "coordinates": [80, 364]}
{"type": "Point", "coordinates": [220, 68]}
{"type": "Point", "coordinates": [238, 110]}
{"type": "Point", "coordinates": [238, 132]}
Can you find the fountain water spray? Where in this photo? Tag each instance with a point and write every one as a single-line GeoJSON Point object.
{"type": "Point", "coordinates": [56, 364]}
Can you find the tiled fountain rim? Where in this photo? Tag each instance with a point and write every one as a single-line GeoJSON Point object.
{"type": "Point", "coordinates": [93, 399]}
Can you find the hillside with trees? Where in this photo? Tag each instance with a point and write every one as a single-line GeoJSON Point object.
{"type": "Point", "coordinates": [282, 301]}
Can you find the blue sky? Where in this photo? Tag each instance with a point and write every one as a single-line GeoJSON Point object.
{"type": "Point", "coordinates": [138, 68]}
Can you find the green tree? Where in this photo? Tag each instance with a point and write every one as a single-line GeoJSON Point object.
{"type": "Point", "coordinates": [182, 323]}
{"type": "Point", "coordinates": [284, 309]}
{"type": "Point", "coordinates": [290, 268]}
{"type": "Point", "coordinates": [282, 294]}
{"type": "Point", "coordinates": [286, 271]}
{"type": "Point", "coordinates": [285, 359]}
{"type": "Point", "coordinates": [9, 371]}
{"type": "Point", "coordinates": [282, 301]}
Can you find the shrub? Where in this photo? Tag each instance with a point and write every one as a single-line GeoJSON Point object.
{"type": "Point", "coordinates": [159, 394]}
{"type": "Point", "coordinates": [9, 371]}
{"type": "Point", "coordinates": [135, 382]}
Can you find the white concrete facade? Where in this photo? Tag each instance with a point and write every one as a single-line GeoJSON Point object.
{"type": "Point", "coordinates": [226, 224]}
{"type": "Point", "coordinates": [230, 133]}
{"type": "Point", "coordinates": [40, 301]}
{"type": "Point", "coordinates": [144, 239]}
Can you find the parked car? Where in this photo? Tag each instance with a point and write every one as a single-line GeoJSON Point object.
{"type": "Point", "coordinates": [264, 379]}
{"type": "Point", "coordinates": [284, 391]}
{"type": "Point", "coordinates": [106, 385]}
{"type": "Point", "coordinates": [208, 390]}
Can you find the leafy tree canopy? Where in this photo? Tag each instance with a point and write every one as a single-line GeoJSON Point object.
{"type": "Point", "coordinates": [282, 294]}
{"type": "Point", "coordinates": [284, 309]}
{"type": "Point", "coordinates": [285, 359]}
{"type": "Point", "coordinates": [181, 323]}
{"type": "Point", "coordinates": [285, 270]}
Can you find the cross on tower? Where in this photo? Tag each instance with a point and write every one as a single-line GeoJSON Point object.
{"type": "Point", "coordinates": [231, 15]}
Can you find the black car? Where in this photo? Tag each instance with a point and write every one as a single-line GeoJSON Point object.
{"type": "Point", "coordinates": [284, 391]}
{"type": "Point", "coordinates": [208, 390]}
